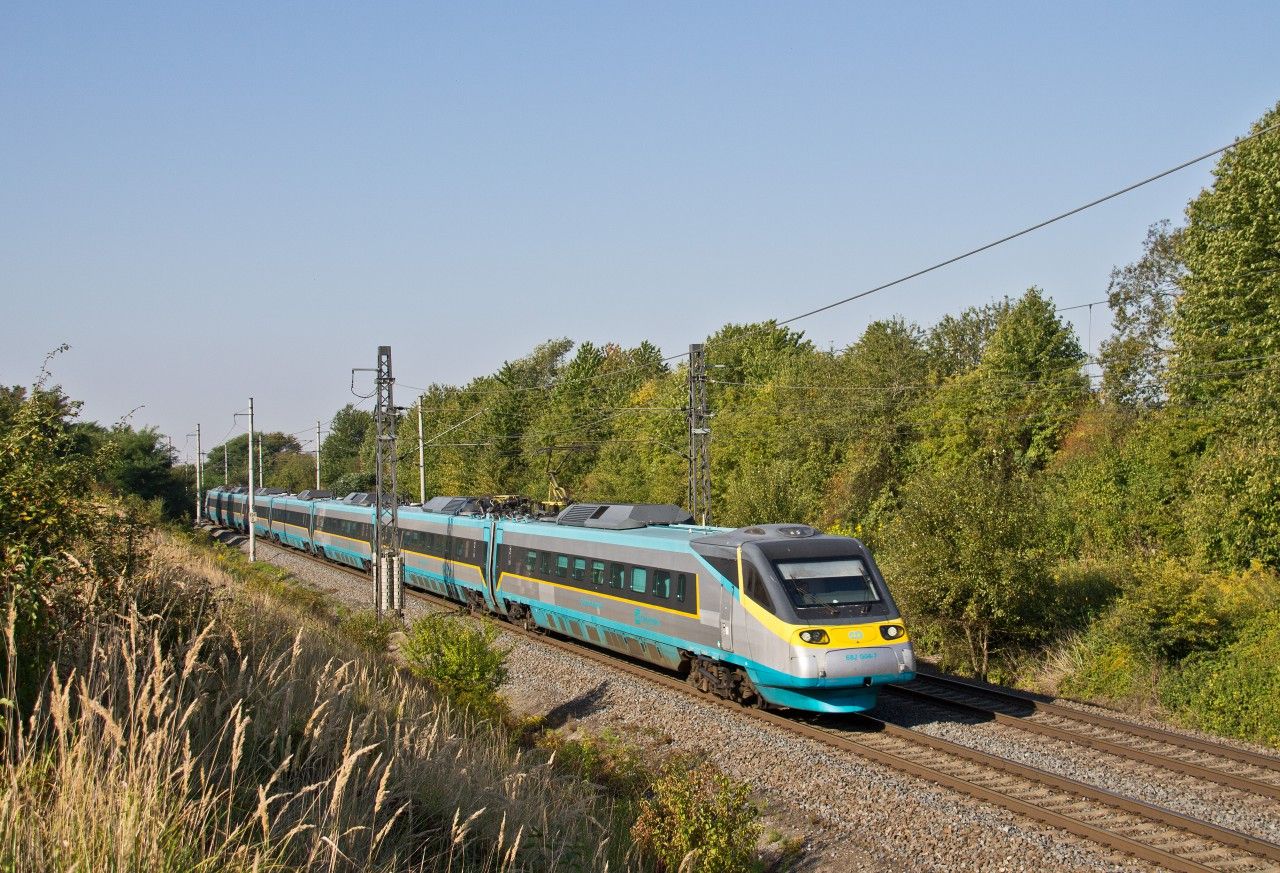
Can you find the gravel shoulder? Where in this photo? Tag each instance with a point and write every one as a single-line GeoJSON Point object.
{"type": "Point", "coordinates": [852, 813]}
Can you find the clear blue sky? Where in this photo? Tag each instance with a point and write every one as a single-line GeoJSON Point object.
{"type": "Point", "coordinates": [209, 201]}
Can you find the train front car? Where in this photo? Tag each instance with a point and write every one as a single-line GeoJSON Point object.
{"type": "Point", "coordinates": [814, 627]}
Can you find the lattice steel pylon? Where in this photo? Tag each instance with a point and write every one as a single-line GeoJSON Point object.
{"type": "Point", "coordinates": [699, 437]}
{"type": "Point", "coordinates": [388, 583]}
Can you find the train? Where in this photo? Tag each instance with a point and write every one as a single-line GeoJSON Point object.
{"type": "Point", "coordinates": [773, 615]}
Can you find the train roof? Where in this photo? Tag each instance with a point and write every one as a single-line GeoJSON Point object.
{"type": "Point", "coordinates": [757, 533]}
{"type": "Point", "coordinates": [623, 516]}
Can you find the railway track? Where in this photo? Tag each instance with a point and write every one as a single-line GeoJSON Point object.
{"type": "Point", "coordinates": [1236, 768]}
{"type": "Point", "coordinates": [1142, 830]}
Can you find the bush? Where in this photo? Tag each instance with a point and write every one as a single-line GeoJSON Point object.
{"type": "Point", "coordinates": [1170, 611]}
{"type": "Point", "coordinates": [1234, 690]}
{"type": "Point", "coordinates": [604, 759]}
{"type": "Point", "coordinates": [698, 817]}
{"type": "Point", "coordinates": [461, 660]}
{"type": "Point", "coordinates": [367, 631]}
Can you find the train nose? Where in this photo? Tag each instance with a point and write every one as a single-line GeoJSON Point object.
{"type": "Point", "coordinates": [906, 658]}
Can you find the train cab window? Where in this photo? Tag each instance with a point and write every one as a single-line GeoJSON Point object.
{"type": "Point", "coordinates": [661, 584]}
{"type": "Point", "coordinates": [617, 575]}
{"type": "Point", "coordinates": [530, 562]}
{"type": "Point", "coordinates": [562, 566]}
{"type": "Point", "coordinates": [680, 587]}
{"type": "Point", "coordinates": [639, 579]}
{"type": "Point", "coordinates": [753, 586]}
{"type": "Point", "coordinates": [726, 567]}
{"type": "Point", "coordinates": [579, 569]}
{"type": "Point", "coordinates": [597, 572]}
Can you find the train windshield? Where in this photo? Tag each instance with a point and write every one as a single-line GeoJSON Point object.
{"type": "Point", "coordinates": [827, 581]}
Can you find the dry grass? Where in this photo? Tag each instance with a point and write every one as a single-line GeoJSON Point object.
{"type": "Point", "coordinates": [259, 740]}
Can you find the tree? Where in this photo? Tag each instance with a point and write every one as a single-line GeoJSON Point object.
{"type": "Point", "coordinates": [876, 384]}
{"type": "Point", "coordinates": [967, 557]}
{"type": "Point", "coordinates": [1141, 297]}
{"type": "Point", "coordinates": [341, 452]}
{"type": "Point", "coordinates": [1017, 404]}
{"type": "Point", "coordinates": [956, 343]}
{"type": "Point", "coordinates": [1227, 326]}
{"type": "Point", "coordinates": [139, 462]}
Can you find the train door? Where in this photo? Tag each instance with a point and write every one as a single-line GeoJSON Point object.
{"type": "Point", "coordinates": [490, 564]}
{"type": "Point", "coordinates": [728, 605]}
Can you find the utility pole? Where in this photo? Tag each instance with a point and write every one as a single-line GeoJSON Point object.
{"type": "Point", "coordinates": [699, 437]}
{"type": "Point", "coordinates": [422, 464]}
{"type": "Point", "coordinates": [253, 511]}
{"type": "Point", "coordinates": [317, 456]}
{"type": "Point", "coordinates": [387, 583]}
{"type": "Point", "coordinates": [226, 467]}
{"type": "Point", "coordinates": [262, 480]}
{"type": "Point", "coordinates": [199, 477]}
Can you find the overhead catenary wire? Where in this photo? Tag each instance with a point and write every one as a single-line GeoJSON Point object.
{"type": "Point", "coordinates": [945, 262]}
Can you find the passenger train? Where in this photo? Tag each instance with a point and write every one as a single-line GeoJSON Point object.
{"type": "Point", "coordinates": [776, 615]}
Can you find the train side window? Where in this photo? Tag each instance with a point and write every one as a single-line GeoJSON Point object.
{"type": "Point", "coordinates": [562, 566]}
{"type": "Point", "coordinates": [680, 586]}
{"type": "Point", "coordinates": [639, 579]}
{"type": "Point", "coordinates": [617, 575]}
{"type": "Point", "coordinates": [597, 572]}
{"type": "Point", "coordinates": [544, 564]}
{"type": "Point", "coordinates": [460, 547]}
{"type": "Point", "coordinates": [753, 586]}
{"type": "Point", "coordinates": [530, 562]}
{"type": "Point", "coordinates": [579, 569]}
{"type": "Point", "coordinates": [661, 584]}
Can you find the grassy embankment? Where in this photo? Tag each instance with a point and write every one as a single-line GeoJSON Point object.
{"type": "Point", "coordinates": [220, 720]}
{"type": "Point", "coordinates": [216, 715]}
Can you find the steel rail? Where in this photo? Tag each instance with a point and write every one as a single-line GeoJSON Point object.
{"type": "Point", "coordinates": [1076, 823]}
{"type": "Point", "coordinates": [1155, 759]}
{"type": "Point", "coordinates": [1242, 756]}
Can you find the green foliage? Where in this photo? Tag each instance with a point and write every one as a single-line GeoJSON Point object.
{"type": "Point", "coordinates": [605, 759]}
{"type": "Point", "coordinates": [346, 453]}
{"type": "Point", "coordinates": [367, 631]}
{"type": "Point", "coordinates": [1227, 324]}
{"type": "Point", "coordinates": [1233, 511]}
{"type": "Point", "coordinates": [1235, 689]}
{"type": "Point", "coordinates": [1141, 297]}
{"type": "Point", "coordinates": [956, 343]}
{"type": "Point", "coordinates": [139, 462]}
{"type": "Point", "coordinates": [460, 659]}
{"type": "Point", "coordinates": [1170, 611]}
{"type": "Point", "coordinates": [697, 817]}
{"type": "Point", "coordinates": [967, 555]}
{"type": "Point", "coordinates": [44, 514]}
{"type": "Point", "coordinates": [1018, 403]}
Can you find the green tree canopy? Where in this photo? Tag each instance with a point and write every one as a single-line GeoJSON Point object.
{"type": "Point", "coordinates": [1227, 324]}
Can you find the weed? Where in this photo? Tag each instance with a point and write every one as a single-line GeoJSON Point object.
{"type": "Point", "coordinates": [699, 820]}
{"type": "Point", "coordinates": [462, 660]}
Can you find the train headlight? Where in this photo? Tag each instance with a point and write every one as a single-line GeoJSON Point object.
{"type": "Point", "coordinates": [891, 631]}
{"type": "Point", "coordinates": [816, 637]}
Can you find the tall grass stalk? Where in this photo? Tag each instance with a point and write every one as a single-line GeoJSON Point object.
{"type": "Point", "coordinates": [256, 739]}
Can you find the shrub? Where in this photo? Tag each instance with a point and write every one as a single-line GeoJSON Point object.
{"type": "Point", "coordinates": [1170, 611]}
{"type": "Point", "coordinates": [367, 631]}
{"type": "Point", "coordinates": [1234, 690]}
{"type": "Point", "coordinates": [604, 759]}
{"type": "Point", "coordinates": [698, 817]}
{"type": "Point", "coordinates": [461, 660]}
